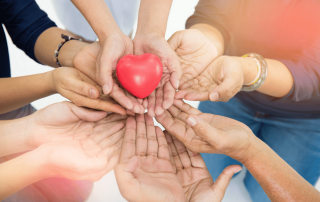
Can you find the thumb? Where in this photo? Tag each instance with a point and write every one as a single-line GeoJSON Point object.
{"type": "Point", "coordinates": [202, 128]}
{"type": "Point", "coordinates": [104, 72]}
{"type": "Point", "coordinates": [221, 184]}
{"type": "Point", "coordinates": [81, 87]}
{"type": "Point", "coordinates": [124, 176]}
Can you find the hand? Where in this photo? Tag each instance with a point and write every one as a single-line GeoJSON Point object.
{"type": "Point", "coordinates": [206, 133]}
{"type": "Point", "coordinates": [164, 95]}
{"type": "Point", "coordinates": [85, 61]}
{"type": "Point", "coordinates": [145, 172]}
{"type": "Point", "coordinates": [65, 122]}
{"type": "Point", "coordinates": [220, 81]}
{"type": "Point", "coordinates": [194, 176]}
{"type": "Point", "coordinates": [195, 52]}
{"type": "Point", "coordinates": [81, 90]}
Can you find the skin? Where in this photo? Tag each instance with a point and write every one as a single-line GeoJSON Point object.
{"type": "Point", "coordinates": [224, 76]}
{"type": "Point", "coordinates": [208, 133]}
{"type": "Point", "coordinates": [71, 142]}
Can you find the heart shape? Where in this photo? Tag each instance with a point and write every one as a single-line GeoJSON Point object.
{"type": "Point", "coordinates": [139, 74]}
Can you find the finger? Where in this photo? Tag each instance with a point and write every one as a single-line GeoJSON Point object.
{"type": "Point", "coordinates": [193, 95]}
{"type": "Point", "coordinates": [98, 104]}
{"type": "Point", "coordinates": [145, 103]}
{"type": "Point", "coordinates": [196, 159]}
{"type": "Point", "coordinates": [142, 141]}
{"type": "Point", "coordinates": [152, 104]}
{"type": "Point", "coordinates": [223, 180]}
{"type": "Point", "coordinates": [119, 95]}
{"type": "Point", "coordinates": [163, 152]}
{"type": "Point", "coordinates": [186, 108]}
{"type": "Point", "coordinates": [175, 154]}
{"type": "Point", "coordinates": [168, 95]}
{"type": "Point", "coordinates": [137, 107]}
{"type": "Point", "coordinates": [105, 63]}
{"type": "Point", "coordinates": [204, 129]}
{"type": "Point", "coordinates": [129, 140]}
{"type": "Point", "coordinates": [159, 100]}
{"type": "Point", "coordinates": [226, 90]}
{"type": "Point", "coordinates": [152, 138]}
{"type": "Point", "coordinates": [182, 152]}
{"type": "Point", "coordinates": [99, 136]}
{"type": "Point", "coordinates": [170, 143]}
{"type": "Point", "coordinates": [140, 101]}
{"type": "Point", "coordinates": [76, 84]}
{"type": "Point", "coordinates": [113, 117]}
{"type": "Point", "coordinates": [112, 140]}
{"type": "Point", "coordinates": [86, 114]}
{"type": "Point", "coordinates": [130, 113]}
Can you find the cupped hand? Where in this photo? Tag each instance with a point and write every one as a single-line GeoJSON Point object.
{"type": "Point", "coordinates": [220, 81]}
{"type": "Point", "coordinates": [86, 61]}
{"type": "Point", "coordinates": [145, 172]}
{"type": "Point", "coordinates": [162, 98]}
{"type": "Point", "coordinates": [81, 90]}
{"type": "Point", "coordinates": [195, 52]}
{"type": "Point", "coordinates": [206, 133]}
{"type": "Point", "coordinates": [194, 176]}
{"type": "Point", "coordinates": [66, 122]}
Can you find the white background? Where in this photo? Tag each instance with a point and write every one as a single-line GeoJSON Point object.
{"type": "Point", "coordinates": [106, 189]}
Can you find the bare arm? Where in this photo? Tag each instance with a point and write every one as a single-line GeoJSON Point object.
{"type": "Point", "coordinates": [278, 179]}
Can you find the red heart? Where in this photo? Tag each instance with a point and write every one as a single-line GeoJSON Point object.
{"type": "Point", "coordinates": [139, 74]}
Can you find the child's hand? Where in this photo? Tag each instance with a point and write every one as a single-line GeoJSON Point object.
{"type": "Point", "coordinates": [81, 90]}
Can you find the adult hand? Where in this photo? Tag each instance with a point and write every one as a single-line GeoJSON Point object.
{"type": "Point", "coordinates": [65, 122]}
{"type": "Point", "coordinates": [81, 90]}
{"type": "Point", "coordinates": [145, 172]}
{"type": "Point", "coordinates": [194, 176]}
{"type": "Point", "coordinates": [86, 61]}
{"type": "Point", "coordinates": [220, 81]}
{"type": "Point", "coordinates": [195, 52]}
{"type": "Point", "coordinates": [163, 96]}
{"type": "Point", "coordinates": [206, 133]}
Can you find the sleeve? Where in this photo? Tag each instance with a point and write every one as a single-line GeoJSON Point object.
{"type": "Point", "coordinates": [25, 22]}
{"type": "Point", "coordinates": [305, 69]}
{"type": "Point", "coordinates": [217, 13]}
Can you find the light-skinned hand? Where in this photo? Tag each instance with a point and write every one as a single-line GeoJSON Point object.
{"type": "Point", "coordinates": [65, 122]}
{"type": "Point", "coordinates": [206, 133]}
{"type": "Point", "coordinates": [162, 98]}
{"type": "Point", "coordinates": [86, 61]}
{"type": "Point", "coordinates": [145, 172]}
{"type": "Point", "coordinates": [194, 176]}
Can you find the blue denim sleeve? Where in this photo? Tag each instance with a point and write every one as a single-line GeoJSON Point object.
{"type": "Point", "coordinates": [305, 69]}
{"type": "Point", "coordinates": [25, 22]}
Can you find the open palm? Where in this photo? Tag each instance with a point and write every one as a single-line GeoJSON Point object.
{"type": "Point", "coordinates": [215, 134]}
{"type": "Point", "coordinates": [145, 172]}
{"type": "Point", "coordinates": [194, 176]}
{"type": "Point", "coordinates": [195, 52]}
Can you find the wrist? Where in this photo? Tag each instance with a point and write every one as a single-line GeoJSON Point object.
{"type": "Point", "coordinates": [49, 79]}
{"type": "Point", "coordinates": [68, 52]}
{"type": "Point", "coordinates": [249, 67]}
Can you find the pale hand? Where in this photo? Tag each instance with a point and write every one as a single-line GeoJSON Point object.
{"type": "Point", "coordinates": [194, 176]}
{"type": "Point", "coordinates": [64, 122]}
{"type": "Point", "coordinates": [86, 61]}
{"type": "Point", "coordinates": [145, 171]}
{"type": "Point", "coordinates": [162, 98]}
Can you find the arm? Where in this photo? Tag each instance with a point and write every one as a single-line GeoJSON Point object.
{"type": "Point", "coordinates": [208, 133]}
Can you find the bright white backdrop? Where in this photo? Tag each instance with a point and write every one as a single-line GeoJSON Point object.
{"type": "Point", "coordinates": [106, 189]}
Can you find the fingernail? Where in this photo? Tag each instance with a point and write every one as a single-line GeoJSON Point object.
{"type": "Point", "coordinates": [177, 84]}
{"type": "Point", "coordinates": [214, 96]}
{"type": "Point", "coordinates": [92, 93]}
{"type": "Point", "coordinates": [106, 89]}
{"type": "Point", "coordinates": [191, 121]}
{"type": "Point", "coordinates": [238, 170]}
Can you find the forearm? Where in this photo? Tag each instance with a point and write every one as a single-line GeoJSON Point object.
{"type": "Point", "coordinates": [99, 17]}
{"type": "Point", "coordinates": [278, 82]}
{"type": "Point", "coordinates": [19, 173]}
{"type": "Point", "coordinates": [19, 91]}
{"type": "Point", "coordinates": [47, 43]}
{"type": "Point", "coordinates": [276, 177]}
{"type": "Point", "coordinates": [13, 138]}
{"type": "Point", "coordinates": [212, 34]}
{"type": "Point", "coordinates": [153, 16]}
